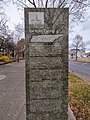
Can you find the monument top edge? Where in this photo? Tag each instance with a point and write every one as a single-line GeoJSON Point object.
{"type": "Point", "coordinates": [44, 8]}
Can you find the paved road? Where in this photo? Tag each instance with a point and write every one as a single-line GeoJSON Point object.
{"type": "Point", "coordinates": [12, 91]}
{"type": "Point", "coordinates": [80, 69]}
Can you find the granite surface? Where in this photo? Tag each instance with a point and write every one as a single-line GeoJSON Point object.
{"type": "Point", "coordinates": [47, 70]}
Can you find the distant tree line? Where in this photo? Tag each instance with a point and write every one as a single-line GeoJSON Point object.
{"type": "Point", "coordinates": [8, 38]}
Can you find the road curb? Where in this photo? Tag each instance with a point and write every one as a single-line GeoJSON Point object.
{"type": "Point", "coordinates": [6, 62]}
{"type": "Point", "coordinates": [79, 61]}
{"type": "Point", "coordinates": [70, 114]}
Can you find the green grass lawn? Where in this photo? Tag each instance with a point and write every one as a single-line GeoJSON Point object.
{"type": "Point", "coordinates": [79, 97]}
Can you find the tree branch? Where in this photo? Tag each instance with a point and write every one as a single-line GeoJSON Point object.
{"type": "Point", "coordinates": [58, 16]}
{"type": "Point", "coordinates": [46, 4]}
{"type": "Point", "coordinates": [81, 2]}
{"type": "Point", "coordinates": [54, 3]}
{"type": "Point", "coordinates": [61, 4]}
{"type": "Point", "coordinates": [33, 3]}
{"type": "Point", "coordinates": [42, 3]}
{"type": "Point", "coordinates": [22, 3]}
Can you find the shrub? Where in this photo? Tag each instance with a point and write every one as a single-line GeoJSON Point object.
{"type": "Point", "coordinates": [5, 58]}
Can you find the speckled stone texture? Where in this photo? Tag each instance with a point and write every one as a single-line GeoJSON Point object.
{"type": "Point", "coordinates": [47, 71]}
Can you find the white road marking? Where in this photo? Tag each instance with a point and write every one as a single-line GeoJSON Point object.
{"type": "Point", "coordinates": [84, 63]}
{"type": "Point", "coordinates": [2, 77]}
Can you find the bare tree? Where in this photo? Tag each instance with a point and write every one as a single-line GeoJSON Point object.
{"type": "Point", "coordinates": [7, 45]}
{"type": "Point", "coordinates": [3, 20]}
{"type": "Point", "coordinates": [18, 35]}
{"type": "Point", "coordinates": [6, 36]}
{"type": "Point", "coordinates": [78, 44]}
{"type": "Point", "coordinates": [4, 29]}
{"type": "Point", "coordinates": [77, 8]}
{"type": "Point", "coordinates": [18, 31]}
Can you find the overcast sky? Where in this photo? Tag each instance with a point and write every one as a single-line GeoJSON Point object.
{"type": "Point", "coordinates": [82, 28]}
{"type": "Point", "coordinates": [14, 16]}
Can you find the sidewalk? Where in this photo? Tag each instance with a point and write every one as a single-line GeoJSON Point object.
{"type": "Point", "coordinates": [12, 91]}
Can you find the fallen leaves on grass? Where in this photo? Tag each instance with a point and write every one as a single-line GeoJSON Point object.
{"type": "Point", "coordinates": [79, 97]}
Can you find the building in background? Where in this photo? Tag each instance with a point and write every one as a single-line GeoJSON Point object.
{"type": "Point", "coordinates": [21, 48]}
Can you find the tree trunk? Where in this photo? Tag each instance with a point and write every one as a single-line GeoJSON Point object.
{"type": "Point", "coordinates": [76, 55]}
{"type": "Point", "coordinates": [18, 56]}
